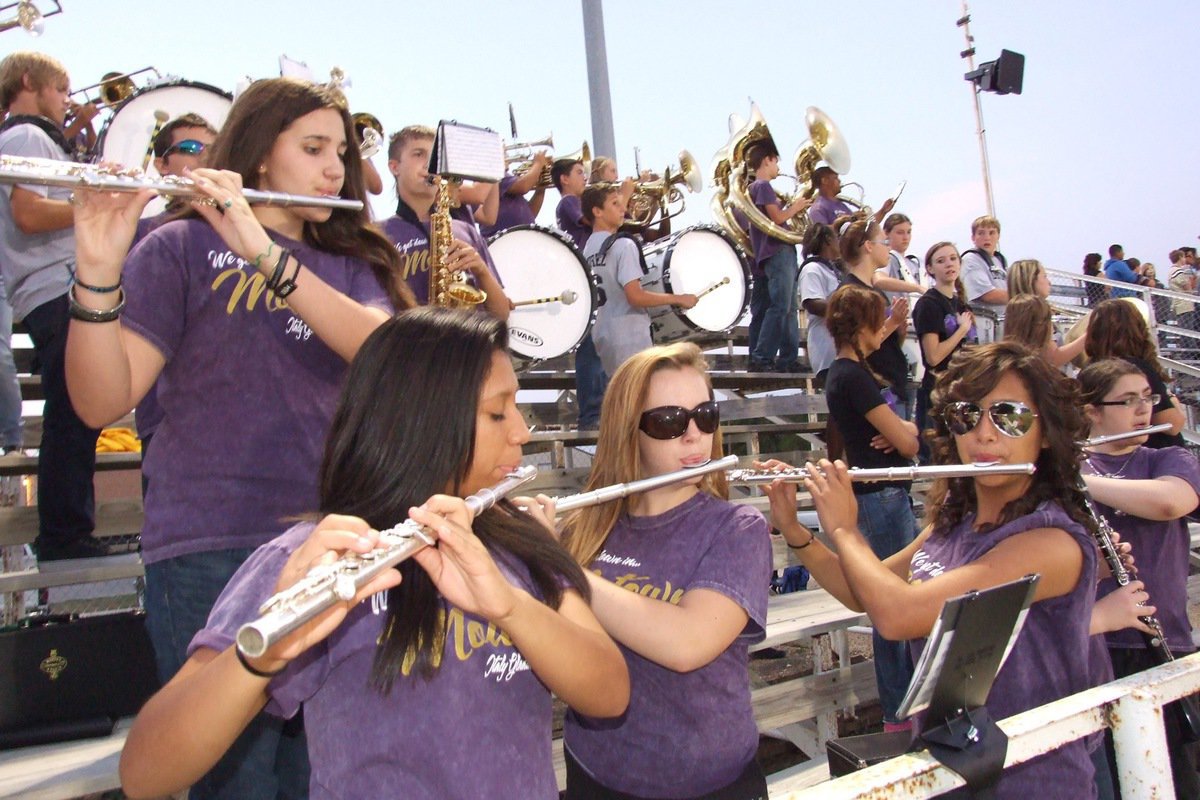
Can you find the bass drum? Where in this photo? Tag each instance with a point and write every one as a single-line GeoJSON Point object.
{"type": "Point", "coordinates": [538, 263]}
{"type": "Point", "coordinates": [126, 136]}
{"type": "Point", "coordinates": [701, 260]}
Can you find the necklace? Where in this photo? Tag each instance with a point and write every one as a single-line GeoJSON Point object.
{"type": "Point", "coordinates": [1121, 471]}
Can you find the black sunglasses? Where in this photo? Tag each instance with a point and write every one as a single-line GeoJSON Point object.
{"type": "Point", "coordinates": [1012, 419]}
{"type": "Point", "coordinates": [671, 422]}
{"type": "Point", "coordinates": [189, 147]}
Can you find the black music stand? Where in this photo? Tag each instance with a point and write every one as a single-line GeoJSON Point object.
{"type": "Point", "coordinates": [967, 647]}
{"type": "Point", "coordinates": [466, 152]}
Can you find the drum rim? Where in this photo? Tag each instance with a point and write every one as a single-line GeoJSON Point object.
{"type": "Point", "coordinates": [747, 276]}
{"type": "Point", "coordinates": [102, 135]}
{"type": "Point", "coordinates": [593, 281]}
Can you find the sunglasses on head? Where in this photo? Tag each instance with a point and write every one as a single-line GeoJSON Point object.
{"type": "Point", "coordinates": [189, 147]}
{"type": "Point", "coordinates": [1011, 418]}
{"type": "Point", "coordinates": [671, 422]}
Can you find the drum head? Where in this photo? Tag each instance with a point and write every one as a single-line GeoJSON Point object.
{"type": "Point", "coordinates": [536, 263]}
{"type": "Point", "coordinates": [127, 134]}
{"type": "Point", "coordinates": [703, 257]}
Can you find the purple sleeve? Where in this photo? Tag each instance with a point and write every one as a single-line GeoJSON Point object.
{"type": "Point", "coordinates": [821, 213]}
{"type": "Point", "coordinates": [506, 183]}
{"type": "Point", "coordinates": [763, 194]}
{"type": "Point", "coordinates": [1176, 462]}
{"type": "Point", "coordinates": [571, 210]}
{"type": "Point", "coordinates": [471, 235]}
{"type": "Point", "coordinates": [156, 283]}
{"type": "Point", "coordinates": [738, 565]}
{"type": "Point", "coordinates": [238, 604]}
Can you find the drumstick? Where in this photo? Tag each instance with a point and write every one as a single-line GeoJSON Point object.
{"type": "Point", "coordinates": [160, 118]}
{"type": "Point", "coordinates": [566, 298]}
{"type": "Point", "coordinates": [714, 287]}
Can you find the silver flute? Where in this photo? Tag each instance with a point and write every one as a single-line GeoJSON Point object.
{"type": "Point", "coordinates": [327, 585]}
{"type": "Point", "coordinates": [1096, 441]}
{"type": "Point", "coordinates": [73, 175]}
{"type": "Point", "coordinates": [798, 474]}
{"type": "Point", "coordinates": [618, 490]}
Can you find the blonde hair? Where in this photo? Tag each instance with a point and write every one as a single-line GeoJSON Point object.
{"type": "Point", "coordinates": [985, 222]}
{"type": "Point", "coordinates": [598, 165]}
{"type": "Point", "coordinates": [41, 69]}
{"type": "Point", "coordinates": [618, 457]}
{"type": "Point", "coordinates": [1021, 276]}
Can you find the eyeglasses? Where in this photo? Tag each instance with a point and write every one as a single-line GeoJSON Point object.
{"type": "Point", "coordinates": [671, 422]}
{"type": "Point", "coordinates": [1012, 419]}
{"type": "Point", "coordinates": [189, 147]}
{"type": "Point", "coordinates": [1132, 402]}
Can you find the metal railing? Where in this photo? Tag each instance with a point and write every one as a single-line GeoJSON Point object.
{"type": "Point", "coordinates": [1131, 706]}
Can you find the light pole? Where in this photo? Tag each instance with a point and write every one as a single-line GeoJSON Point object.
{"type": "Point", "coordinates": [603, 141]}
{"type": "Point", "coordinates": [964, 22]}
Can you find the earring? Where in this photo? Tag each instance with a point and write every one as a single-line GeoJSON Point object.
{"type": "Point", "coordinates": [262, 169]}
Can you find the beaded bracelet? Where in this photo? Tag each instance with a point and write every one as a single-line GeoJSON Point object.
{"type": "Point", "coordinates": [258, 673]}
{"type": "Point", "coordinates": [98, 289]}
{"type": "Point", "coordinates": [85, 314]}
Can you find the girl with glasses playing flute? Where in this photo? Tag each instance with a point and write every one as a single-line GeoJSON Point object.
{"type": "Point", "coordinates": [995, 404]}
{"type": "Point", "coordinates": [1144, 494]}
{"type": "Point", "coordinates": [679, 577]}
{"type": "Point", "coordinates": [439, 685]}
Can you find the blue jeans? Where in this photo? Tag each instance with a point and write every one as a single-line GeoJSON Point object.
{"type": "Point", "coordinates": [779, 337]}
{"type": "Point", "coordinates": [885, 517]}
{"type": "Point", "coordinates": [10, 390]}
{"type": "Point", "coordinates": [269, 759]}
{"type": "Point", "coordinates": [759, 300]}
{"type": "Point", "coordinates": [67, 458]}
{"type": "Point", "coordinates": [590, 383]}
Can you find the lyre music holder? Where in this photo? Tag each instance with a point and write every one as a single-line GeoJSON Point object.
{"type": "Point", "coordinates": [966, 648]}
{"type": "Point", "coordinates": [466, 152]}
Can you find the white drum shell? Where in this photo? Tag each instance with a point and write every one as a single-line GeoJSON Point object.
{"type": "Point", "coordinates": [689, 262]}
{"type": "Point", "coordinates": [126, 136]}
{"type": "Point", "coordinates": [535, 262]}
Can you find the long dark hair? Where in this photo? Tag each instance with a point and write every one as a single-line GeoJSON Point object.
{"type": "Point", "coordinates": [973, 373]}
{"type": "Point", "coordinates": [1118, 330]}
{"type": "Point", "coordinates": [266, 109]}
{"type": "Point", "coordinates": [405, 430]}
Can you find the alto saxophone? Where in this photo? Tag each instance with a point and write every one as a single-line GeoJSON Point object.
{"type": "Point", "coordinates": [447, 287]}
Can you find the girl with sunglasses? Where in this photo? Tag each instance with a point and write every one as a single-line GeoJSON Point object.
{"type": "Point", "coordinates": [995, 404]}
{"type": "Point", "coordinates": [1144, 494]}
{"type": "Point", "coordinates": [875, 436]}
{"type": "Point", "coordinates": [438, 686]}
{"type": "Point", "coordinates": [1118, 330]}
{"type": "Point", "coordinates": [250, 315]}
{"type": "Point", "coordinates": [679, 578]}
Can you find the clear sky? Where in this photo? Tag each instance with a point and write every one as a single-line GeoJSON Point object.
{"type": "Point", "coordinates": [1100, 147]}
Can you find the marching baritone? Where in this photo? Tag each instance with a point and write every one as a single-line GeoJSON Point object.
{"type": "Point", "coordinates": [408, 229]}
{"type": "Point", "coordinates": [828, 208]}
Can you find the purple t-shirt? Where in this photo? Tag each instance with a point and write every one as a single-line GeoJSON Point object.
{"type": "Point", "coordinates": [569, 216]}
{"type": "Point", "coordinates": [1161, 548]}
{"type": "Point", "coordinates": [1050, 658]}
{"type": "Point", "coordinates": [684, 734]}
{"type": "Point", "coordinates": [762, 194]}
{"type": "Point", "coordinates": [148, 414]}
{"type": "Point", "coordinates": [479, 728]}
{"type": "Point", "coordinates": [514, 210]}
{"type": "Point", "coordinates": [412, 242]}
{"type": "Point", "coordinates": [826, 209]}
{"type": "Point", "coordinates": [247, 390]}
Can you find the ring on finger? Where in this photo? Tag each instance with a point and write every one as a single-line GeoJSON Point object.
{"type": "Point", "coordinates": [228, 203]}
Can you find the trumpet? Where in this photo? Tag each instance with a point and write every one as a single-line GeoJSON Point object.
{"type": "Point", "coordinates": [328, 584]}
{"type": "Point", "coordinates": [607, 494]}
{"type": "Point", "coordinates": [1096, 441]}
{"type": "Point", "coordinates": [370, 133]}
{"type": "Point", "coordinates": [652, 197]}
{"type": "Point", "coordinates": [799, 474]}
{"type": "Point", "coordinates": [71, 175]}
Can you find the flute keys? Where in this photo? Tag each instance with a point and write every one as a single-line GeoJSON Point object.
{"type": "Point", "coordinates": [344, 587]}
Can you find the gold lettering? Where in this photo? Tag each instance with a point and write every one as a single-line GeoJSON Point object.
{"type": "Point", "coordinates": [413, 262]}
{"type": "Point", "coordinates": [252, 286]}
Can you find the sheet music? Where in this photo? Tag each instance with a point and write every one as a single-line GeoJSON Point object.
{"type": "Point", "coordinates": [291, 68]}
{"type": "Point", "coordinates": [464, 151]}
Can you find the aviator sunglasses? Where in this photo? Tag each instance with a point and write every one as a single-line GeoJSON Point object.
{"type": "Point", "coordinates": [1011, 418]}
{"type": "Point", "coordinates": [671, 422]}
{"type": "Point", "coordinates": [189, 147]}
